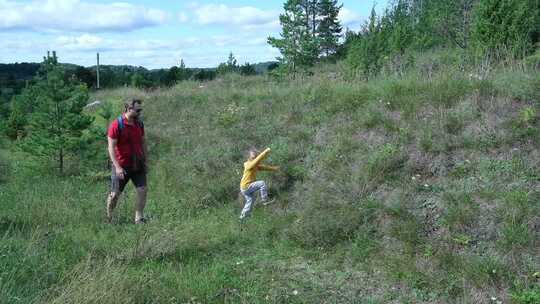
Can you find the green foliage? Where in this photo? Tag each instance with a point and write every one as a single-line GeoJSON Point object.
{"type": "Point", "coordinates": [506, 25]}
{"type": "Point", "coordinates": [361, 207]}
{"type": "Point", "coordinates": [137, 80]}
{"type": "Point", "coordinates": [384, 161]}
{"type": "Point", "coordinates": [365, 52]}
{"type": "Point", "coordinates": [56, 122]}
{"type": "Point", "coordinates": [329, 28]}
{"type": "Point", "coordinates": [248, 69]}
{"type": "Point", "coordinates": [515, 215]}
{"type": "Point", "coordinates": [484, 29]}
{"type": "Point", "coordinates": [528, 116]}
{"type": "Point", "coordinates": [327, 223]}
{"type": "Point", "coordinates": [530, 296]}
{"type": "Point", "coordinates": [231, 66]}
{"type": "Point", "coordinates": [16, 122]}
{"type": "Point", "coordinates": [310, 28]}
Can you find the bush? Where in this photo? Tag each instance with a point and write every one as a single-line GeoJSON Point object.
{"type": "Point", "coordinates": [326, 223]}
{"type": "Point", "coordinates": [531, 296]}
{"type": "Point", "coordinates": [383, 162]}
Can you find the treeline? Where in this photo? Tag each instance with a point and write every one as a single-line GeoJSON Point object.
{"type": "Point", "coordinates": [13, 77]}
{"type": "Point", "coordinates": [490, 30]}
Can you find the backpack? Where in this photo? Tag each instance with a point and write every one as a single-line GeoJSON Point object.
{"type": "Point", "coordinates": [137, 163]}
{"type": "Point", "coordinates": [121, 124]}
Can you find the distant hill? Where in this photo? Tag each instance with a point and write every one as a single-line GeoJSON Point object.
{"type": "Point", "coordinates": [13, 76]}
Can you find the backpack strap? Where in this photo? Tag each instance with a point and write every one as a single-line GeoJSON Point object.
{"type": "Point", "coordinates": [120, 123]}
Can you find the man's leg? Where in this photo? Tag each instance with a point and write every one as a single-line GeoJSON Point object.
{"type": "Point", "coordinates": [112, 201]}
{"type": "Point", "coordinates": [141, 202]}
{"type": "Point", "coordinates": [117, 186]}
{"type": "Point", "coordinates": [139, 180]}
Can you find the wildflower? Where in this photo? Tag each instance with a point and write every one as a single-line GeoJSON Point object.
{"type": "Point", "coordinates": [295, 292]}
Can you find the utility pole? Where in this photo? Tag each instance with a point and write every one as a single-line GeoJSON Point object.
{"type": "Point", "coordinates": [97, 71]}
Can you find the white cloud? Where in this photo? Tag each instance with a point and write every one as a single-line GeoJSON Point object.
{"type": "Point", "coordinates": [78, 16]}
{"type": "Point", "coordinates": [84, 45]}
{"type": "Point", "coordinates": [183, 17]}
{"type": "Point", "coordinates": [349, 18]}
{"type": "Point", "coordinates": [83, 42]}
{"type": "Point", "coordinates": [246, 16]}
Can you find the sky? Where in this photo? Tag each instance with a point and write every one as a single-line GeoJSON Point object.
{"type": "Point", "coordinates": [152, 34]}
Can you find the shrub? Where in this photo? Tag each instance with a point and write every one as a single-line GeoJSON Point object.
{"type": "Point", "coordinates": [530, 296]}
{"type": "Point", "coordinates": [328, 222]}
{"type": "Point", "coordinates": [383, 162]}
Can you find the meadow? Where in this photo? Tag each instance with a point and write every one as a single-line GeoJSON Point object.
{"type": "Point", "coordinates": [413, 187]}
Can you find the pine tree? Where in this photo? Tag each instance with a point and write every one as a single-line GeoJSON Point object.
{"type": "Point", "coordinates": [231, 66]}
{"type": "Point", "coordinates": [329, 28]}
{"type": "Point", "coordinates": [401, 30]}
{"type": "Point", "coordinates": [366, 52]}
{"type": "Point", "coordinates": [183, 72]}
{"type": "Point", "coordinates": [232, 63]}
{"type": "Point", "coordinates": [506, 24]}
{"type": "Point", "coordinates": [57, 122]}
{"type": "Point", "coordinates": [299, 46]}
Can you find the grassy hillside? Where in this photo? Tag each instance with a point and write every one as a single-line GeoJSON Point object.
{"type": "Point", "coordinates": [422, 188]}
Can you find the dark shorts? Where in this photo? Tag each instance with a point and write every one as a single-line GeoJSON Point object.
{"type": "Point", "coordinates": [137, 178]}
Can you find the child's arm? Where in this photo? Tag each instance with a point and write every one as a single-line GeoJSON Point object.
{"type": "Point", "coordinates": [258, 159]}
{"type": "Point", "coordinates": [268, 168]}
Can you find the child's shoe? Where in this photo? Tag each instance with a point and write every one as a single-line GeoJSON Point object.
{"type": "Point", "coordinates": [268, 201]}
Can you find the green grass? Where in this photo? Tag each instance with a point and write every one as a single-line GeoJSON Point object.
{"type": "Point", "coordinates": [408, 189]}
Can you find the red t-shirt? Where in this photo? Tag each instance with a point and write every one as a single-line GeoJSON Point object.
{"type": "Point", "coordinates": [129, 141]}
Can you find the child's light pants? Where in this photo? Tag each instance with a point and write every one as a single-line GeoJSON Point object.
{"type": "Point", "coordinates": [249, 195]}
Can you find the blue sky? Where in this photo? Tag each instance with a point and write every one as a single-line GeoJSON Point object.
{"type": "Point", "coordinates": [153, 34]}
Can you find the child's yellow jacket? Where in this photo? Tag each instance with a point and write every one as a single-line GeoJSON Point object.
{"type": "Point", "coordinates": [252, 166]}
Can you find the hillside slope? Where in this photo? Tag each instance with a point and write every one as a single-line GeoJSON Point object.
{"type": "Point", "coordinates": [422, 188]}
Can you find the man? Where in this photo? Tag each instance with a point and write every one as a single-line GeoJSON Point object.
{"type": "Point", "coordinates": [127, 150]}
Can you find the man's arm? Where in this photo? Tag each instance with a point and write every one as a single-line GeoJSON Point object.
{"type": "Point", "coordinates": [111, 147]}
{"type": "Point", "coordinates": [145, 149]}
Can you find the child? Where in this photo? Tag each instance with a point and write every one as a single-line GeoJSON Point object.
{"type": "Point", "coordinates": [249, 185]}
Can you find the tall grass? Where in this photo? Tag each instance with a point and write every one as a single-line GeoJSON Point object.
{"type": "Point", "coordinates": [420, 188]}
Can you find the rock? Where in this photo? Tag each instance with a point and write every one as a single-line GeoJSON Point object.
{"type": "Point", "coordinates": [93, 105]}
